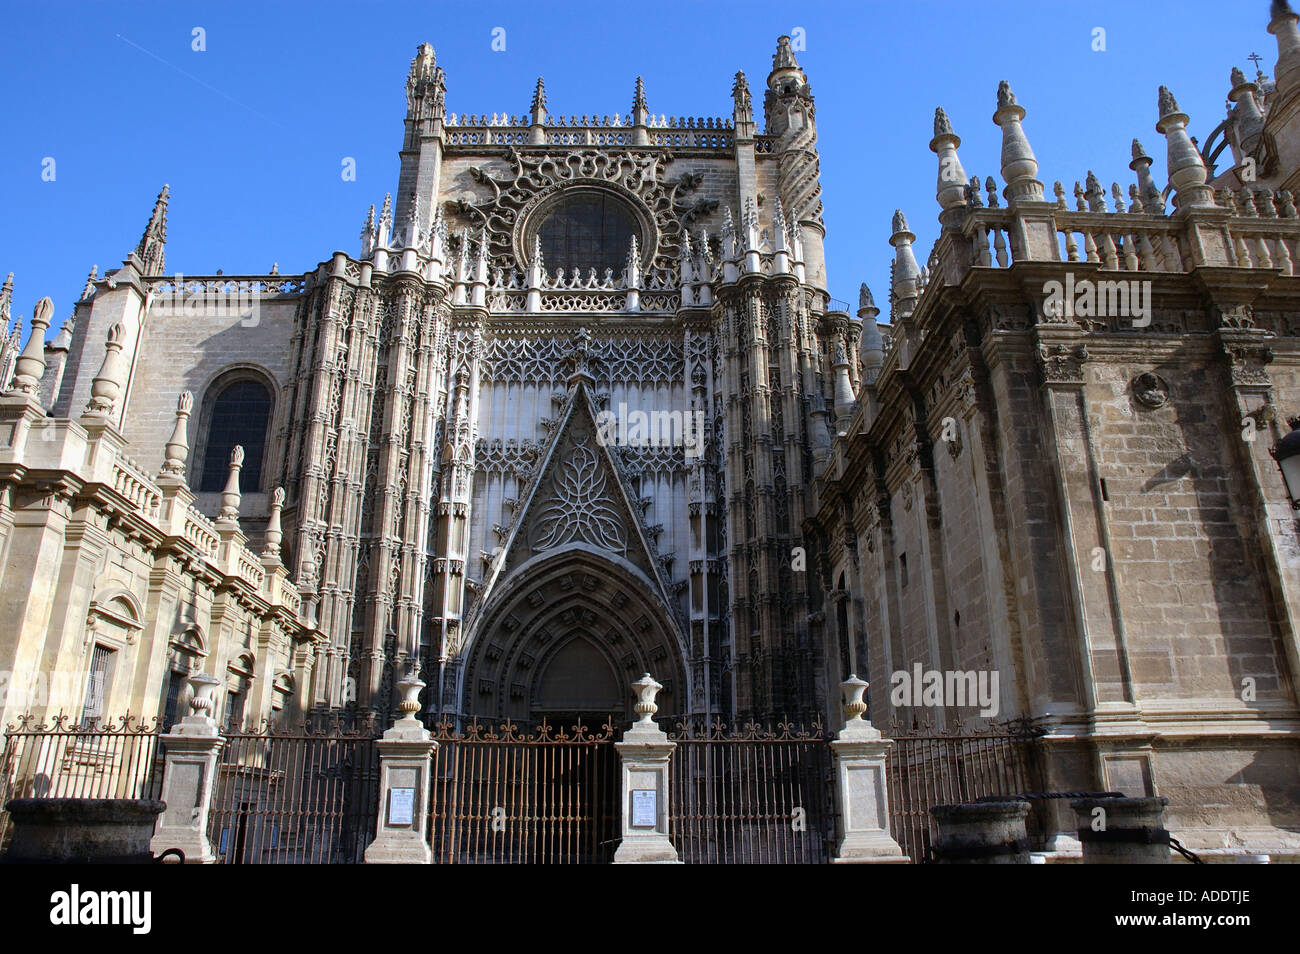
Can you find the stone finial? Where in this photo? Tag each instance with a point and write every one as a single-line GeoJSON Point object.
{"type": "Point", "coordinates": [632, 272]}
{"type": "Point", "coordinates": [871, 344]}
{"type": "Point", "coordinates": [6, 301]}
{"type": "Point", "coordinates": [853, 689]}
{"type": "Point", "coordinates": [151, 251]}
{"type": "Point", "coordinates": [1283, 25]}
{"type": "Point", "coordinates": [89, 288]}
{"type": "Point", "coordinates": [1166, 102]}
{"type": "Point", "coordinates": [386, 221]}
{"type": "Point", "coordinates": [273, 535]}
{"type": "Point", "coordinates": [1246, 113]}
{"type": "Point", "coordinates": [31, 363]}
{"type": "Point", "coordinates": [645, 690]}
{"type": "Point", "coordinates": [639, 110]}
{"type": "Point", "coordinates": [740, 95]}
{"type": "Point", "coordinates": [203, 698]}
{"type": "Point", "coordinates": [539, 98]}
{"type": "Point", "coordinates": [1187, 173]}
{"type": "Point", "coordinates": [1019, 167]}
{"type": "Point", "coordinates": [1153, 202]}
{"type": "Point", "coordinates": [783, 58]}
{"type": "Point", "coordinates": [866, 302]}
{"type": "Point", "coordinates": [107, 384]}
{"type": "Point", "coordinates": [230, 495]}
{"type": "Point", "coordinates": [950, 190]}
{"type": "Point", "coordinates": [904, 287]}
{"type": "Point", "coordinates": [177, 449]}
{"type": "Point", "coordinates": [1095, 193]}
{"type": "Point", "coordinates": [730, 247]}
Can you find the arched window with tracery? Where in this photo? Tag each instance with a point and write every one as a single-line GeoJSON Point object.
{"type": "Point", "coordinates": [238, 414]}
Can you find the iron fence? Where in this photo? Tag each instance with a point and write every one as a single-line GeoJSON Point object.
{"type": "Point", "coordinates": [752, 796]}
{"type": "Point", "coordinates": [304, 796]}
{"type": "Point", "coordinates": [928, 768]}
{"type": "Point", "coordinates": [503, 796]}
{"type": "Point", "coordinates": [64, 758]}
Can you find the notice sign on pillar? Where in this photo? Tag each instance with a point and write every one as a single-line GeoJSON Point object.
{"type": "Point", "coordinates": [645, 808]}
{"type": "Point", "coordinates": [401, 806]}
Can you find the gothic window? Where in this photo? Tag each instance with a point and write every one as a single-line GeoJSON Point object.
{"type": "Point", "coordinates": [239, 414]}
{"type": "Point", "coordinates": [587, 230]}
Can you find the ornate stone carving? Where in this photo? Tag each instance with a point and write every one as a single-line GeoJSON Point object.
{"type": "Point", "coordinates": [583, 509]}
{"type": "Point", "coordinates": [1150, 390]}
{"type": "Point", "coordinates": [1061, 364]}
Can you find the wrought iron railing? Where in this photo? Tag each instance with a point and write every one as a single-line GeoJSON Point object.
{"type": "Point", "coordinates": [502, 795]}
{"type": "Point", "coordinates": [928, 767]}
{"type": "Point", "coordinates": [305, 796]}
{"type": "Point", "coordinates": [63, 758]}
{"type": "Point", "coordinates": [751, 795]}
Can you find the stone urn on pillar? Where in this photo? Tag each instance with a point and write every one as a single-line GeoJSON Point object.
{"type": "Point", "coordinates": [860, 753]}
{"type": "Point", "coordinates": [404, 755]}
{"type": "Point", "coordinates": [190, 751]}
{"type": "Point", "coordinates": [646, 754]}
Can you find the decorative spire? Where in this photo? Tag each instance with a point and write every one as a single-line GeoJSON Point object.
{"type": "Point", "coordinates": [93, 277]}
{"type": "Point", "coordinates": [107, 384]}
{"type": "Point", "coordinates": [230, 494]}
{"type": "Point", "coordinates": [539, 98]}
{"type": "Point", "coordinates": [369, 233]}
{"type": "Point", "coordinates": [639, 111]}
{"type": "Point", "coordinates": [730, 249]}
{"type": "Point", "coordinates": [1019, 167]}
{"type": "Point", "coordinates": [386, 221]}
{"type": "Point", "coordinates": [272, 536]}
{"type": "Point", "coordinates": [871, 344]}
{"type": "Point", "coordinates": [426, 86]}
{"type": "Point", "coordinates": [177, 449]}
{"type": "Point", "coordinates": [1187, 173]}
{"type": "Point", "coordinates": [744, 107]}
{"type": "Point", "coordinates": [951, 187]}
{"type": "Point", "coordinates": [6, 300]}
{"type": "Point", "coordinates": [783, 58]}
{"type": "Point", "coordinates": [1283, 25]}
{"type": "Point", "coordinates": [1153, 203]}
{"type": "Point", "coordinates": [906, 272]}
{"type": "Point", "coordinates": [632, 274]}
{"type": "Point", "coordinates": [1250, 121]}
{"type": "Point", "coordinates": [1095, 193]}
{"type": "Point", "coordinates": [152, 248]}
{"type": "Point", "coordinates": [30, 365]}
{"type": "Point", "coordinates": [866, 302]}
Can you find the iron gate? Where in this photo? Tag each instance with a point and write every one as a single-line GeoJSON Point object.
{"type": "Point", "coordinates": [68, 759]}
{"type": "Point", "coordinates": [752, 796]}
{"type": "Point", "coordinates": [300, 797]}
{"type": "Point", "coordinates": [929, 768]}
{"type": "Point", "coordinates": [502, 796]}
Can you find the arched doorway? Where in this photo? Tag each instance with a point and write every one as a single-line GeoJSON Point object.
{"type": "Point", "coordinates": [565, 635]}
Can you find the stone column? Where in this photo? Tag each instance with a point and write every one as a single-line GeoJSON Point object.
{"type": "Point", "coordinates": [859, 752]}
{"type": "Point", "coordinates": [1123, 831]}
{"type": "Point", "coordinates": [404, 754]}
{"type": "Point", "coordinates": [646, 754]}
{"type": "Point", "coordinates": [190, 753]}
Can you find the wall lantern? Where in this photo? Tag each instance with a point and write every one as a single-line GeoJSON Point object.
{"type": "Point", "coordinates": [1287, 454]}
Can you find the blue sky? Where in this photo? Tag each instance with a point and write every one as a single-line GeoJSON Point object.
{"type": "Point", "coordinates": [251, 133]}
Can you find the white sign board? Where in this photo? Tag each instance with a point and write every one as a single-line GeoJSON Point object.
{"type": "Point", "coordinates": [645, 808]}
{"type": "Point", "coordinates": [401, 806]}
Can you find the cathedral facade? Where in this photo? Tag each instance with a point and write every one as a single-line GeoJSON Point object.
{"type": "Point", "coordinates": [581, 407]}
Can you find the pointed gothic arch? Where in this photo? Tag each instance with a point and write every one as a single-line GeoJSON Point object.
{"type": "Point", "coordinates": [571, 593]}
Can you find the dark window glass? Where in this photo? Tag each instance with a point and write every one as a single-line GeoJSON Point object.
{"type": "Point", "coordinates": [234, 711]}
{"type": "Point", "coordinates": [174, 686]}
{"type": "Point", "coordinates": [101, 661]}
{"type": "Point", "coordinates": [239, 416]}
{"type": "Point", "coordinates": [587, 231]}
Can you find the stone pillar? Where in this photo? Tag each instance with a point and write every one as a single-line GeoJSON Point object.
{"type": "Point", "coordinates": [860, 752]}
{"type": "Point", "coordinates": [982, 833]}
{"type": "Point", "coordinates": [1123, 831]}
{"type": "Point", "coordinates": [647, 755]}
{"type": "Point", "coordinates": [404, 754]}
{"type": "Point", "coordinates": [190, 753]}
